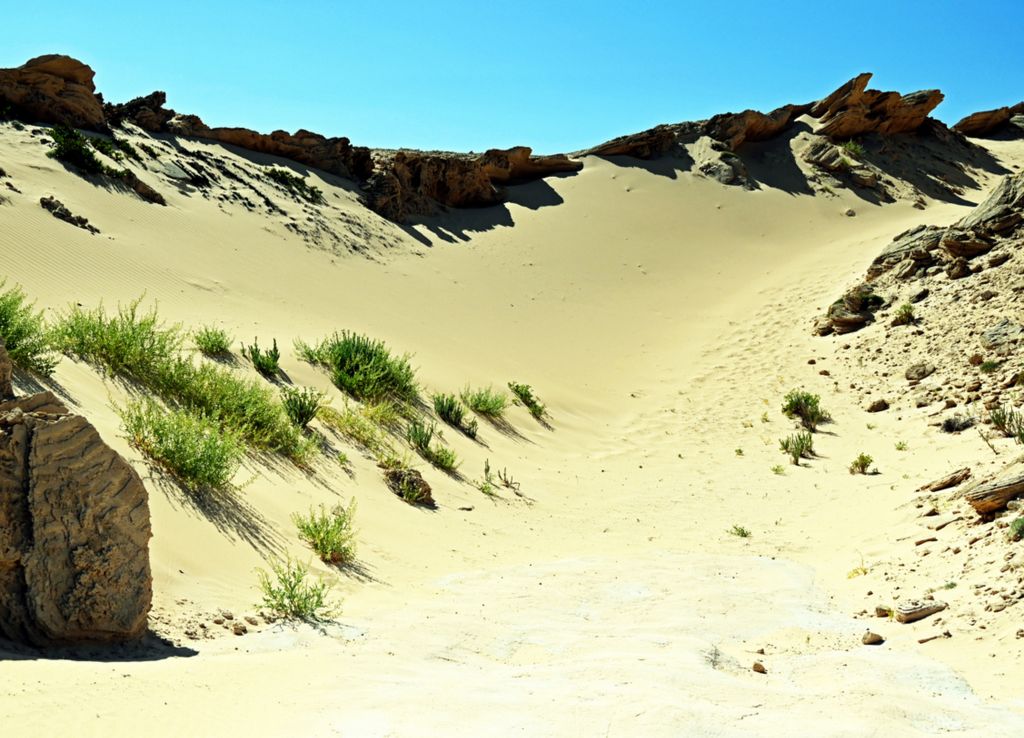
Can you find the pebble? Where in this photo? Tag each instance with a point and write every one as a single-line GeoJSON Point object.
{"type": "Point", "coordinates": [759, 668]}
{"type": "Point", "coordinates": [239, 629]}
{"type": "Point", "coordinates": [872, 639]}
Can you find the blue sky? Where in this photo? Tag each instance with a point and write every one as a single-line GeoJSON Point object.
{"type": "Point", "coordinates": [552, 75]}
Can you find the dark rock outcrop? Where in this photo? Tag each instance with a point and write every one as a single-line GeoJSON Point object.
{"type": "Point", "coordinates": [735, 129]}
{"type": "Point", "coordinates": [53, 89]}
{"type": "Point", "coordinates": [74, 530]}
{"type": "Point", "coordinates": [988, 123]}
{"type": "Point", "coordinates": [649, 144]}
{"type": "Point", "coordinates": [853, 110]}
{"type": "Point", "coordinates": [60, 211]}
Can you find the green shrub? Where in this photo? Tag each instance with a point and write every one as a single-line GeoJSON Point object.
{"type": "Point", "coordinates": [330, 534]}
{"type": "Point", "coordinates": [24, 332]}
{"type": "Point", "coordinates": [1017, 529]}
{"type": "Point", "coordinates": [525, 394]}
{"type": "Point", "coordinates": [140, 348]}
{"type": "Point", "coordinates": [987, 367]}
{"type": "Point", "coordinates": [861, 464]}
{"type": "Point", "coordinates": [853, 148]}
{"type": "Point", "coordinates": [420, 435]}
{"type": "Point", "coordinates": [901, 446]}
{"type": "Point", "coordinates": [107, 148]}
{"type": "Point", "coordinates": [451, 411]}
{"type": "Point", "coordinates": [288, 594]}
{"type": "Point", "coordinates": [71, 147]}
{"type": "Point", "coordinates": [149, 151]}
{"type": "Point", "coordinates": [443, 458]}
{"type": "Point", "coordinates": [486, 401]}
{"type": "Point", "coordinates": [301, 405]}
{"type": "Point", "coordinates": [739, 531]}
{"type": "Point", "coordinates": [194, 450]}
{"type": "Point", "coordinates": [363, 367]}
{"type": "Point", "coordinates": [806, 407]}
{"type": "Point", "coordinates": [1009, 422]}
{"type": "Point", "coordinates": [358, 426]}
{"type": "Point", "coordinates": [265, 362]}
{"type": "Point", "coordinates": [212, 341]}
{"type": "Point", "coordinates": [127, 149]}
{"type": "Point", "coordinates": [798, 446]}
{"type": "Point", "coordinates": [778, 469]}
{"type": "Point", "coordinates": [904, 315]}
{"type": "Point", "coordinates": [295, 184]}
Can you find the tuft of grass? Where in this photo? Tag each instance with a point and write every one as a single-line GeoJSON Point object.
{"type": "Point", "coordinates": [295, 184]}
{"type": "Point", "coordinates": [107, 148]}
{"type": "Point", "coordinates": [861, 464]}
{"type": "Point", "coordinates": [451, 411]}
{"type": "Point", "coordinates": [1017, 529]}
{"type": "Point", "coordinates": [265, 362]}
{"type": "Point", "coordinates": [987, 367]}
{"type": "Point", "coordinates": [798, 446]}
{"type": "Point", "coordinates": [904, 315]}
{"type": "Point", "coordinates": [524, 393]}
{"type": "Point", "coordinates": [853, 148]}
{"type": "Point", "coordinates": [24, 332]}
{"type": "Point", "coordinates": [330, 534]}
{"type": "Point", "coordinates": [739, 531]}
{"type": "Point", "coordinates": [957, 423]}
{"type": "Point", "coordinates": [212, 341]}
{"type": "Point", "coordinates": [193, 449]}
{"type": "Point", "coordinates": [901, 446]}
{"type": "Point", "coordinates": [486, 401]}
{"type": "Point", "coordinates": [806, 407]}
{"type": "Point", "coordinates": [287, 593]}
{"type": "Point", "coordinates": [420, 436]}
{"type": "Point", "coordinates": [443, 458]}
{"type": "Point", "coordinates": [738, 451]}
{"type": "Point", "coordinates": [778, 470]}
{"type": "Point", "coordinates": [138, 347]}
{"type": "Point", "coordinates": [1008, 421]}
{"type": "Point", "coordinates": [363, 367]}
{"type": "Point", "coordinates": [301, 405]}
{"type": "Point", "coordinates": [359, 425]}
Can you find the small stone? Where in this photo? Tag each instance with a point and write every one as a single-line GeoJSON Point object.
{"type": "Point", "coordinates": [918, 372]}
{"type": "Point", "coordinates": [976, 360]}
{"type": "Point", "coordinates": [227, 615]}
{"type": "Point", "coordinates": [849, 212]}
{"type": "Point", "coordinates": [218, 621]}
{"type": "Point", "coordinates": [251, 620]}
{"type": "Point", "coordinates": [881, 611]}
{"type": "Point", "coordinates": [239, 629]}
{"type": "Point", "coordinates": [878, 406]}
{"type": "Point", "coordinates": [872, 639]}
{"type": "Point", "coordinates": [759, 668]}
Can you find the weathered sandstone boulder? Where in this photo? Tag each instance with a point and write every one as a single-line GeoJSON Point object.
{"type": "Point", "coordinates": [74, 530]}
{"type": "Point", "coordinates": [853, 110]}
{"type": "Point", "coordinates": [735, 129]}
{"type": "Point", "coordinates": [987, 123]}
{"type": "Point", "coordinates": [53, 89]}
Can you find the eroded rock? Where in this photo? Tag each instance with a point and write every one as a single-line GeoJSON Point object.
{"type": "Point", "coordinates": [58, 210]}
{"type": "Point", "coordinates": [53, 89]}
{"type": "Point", "coordinates": [853, 110]}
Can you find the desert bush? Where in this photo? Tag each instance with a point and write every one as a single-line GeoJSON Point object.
{"type": "Point", "coordinates": [212, 341]}
{"type": "Point", "coordinates": [798, 446]}
{"type": "Point", "coordinates": [1008, 421]}
{"type": "Point", "coordinates": [420, 436]}
{"type": "Point", "coordinates": [987, 367]}
{"type": "Point", "coordinates": [778, 469]}
{"type": "Point", "coordinates": [957, 423]}
{"type": "Point", "coordinates": [265, 362]}
{"type": "Point", "coordinates": [301, 405]}
{"type": "Point", "coordinates": [451, 411]}
{"type": "Point", "coordinates": [853, 148]}
{"type": "Point", "coordinates": [358, 426]}
{"type": "Point", "coordinates": [287, 593]}
{"type": "Point", "coordinates": [904, 314]}
{"type": "Point", "coordinates": [107, 148]}
{"type": "Point", "coordinates": [149, 151]}
{"type": "Point", "coordinates": [806, 407]}
{"type": "Point", "coordinates": [739, 531]}
{"type": "Point", "coordinates": [1017, 529]}
{"type": "Point", "coordinates": [71, 147]}
{"type": "Point", "coordinates": [405, 481]}
{"type": "Point", "coordinates": [861, 464]}
{"type": "Point", "coordinates": [486, 401]}
{"type": "Point", "coordinates": [363, 367]}
{"type": "Point", "coordinates": [295, 184]}
{"type": "Point", "coordinates": [193, 449]}
{"type": "Point", "coordinates": [24, 332]}
{"type": "Point", "coordinates": [330, 534]}
{"type": "Point", "coordinates": [443, 458]}
{"type": "Point", "coordinates": [525, 395]}
{"type": "Point", "coordinates": [126, 148]}
{"type": "Point", "coordinates": [902, 446]}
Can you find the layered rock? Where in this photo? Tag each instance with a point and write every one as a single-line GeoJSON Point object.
{"type": "Point", "coordinates": [53, 89]}
{"type": "Point", "coordinates": [987, 123]}
{"type": "Point", "coordinates": [735, 129]}
{"type": "Point", "coordinates": [74, 530]}
{"type": "Point", "coordinates": [853, 110]}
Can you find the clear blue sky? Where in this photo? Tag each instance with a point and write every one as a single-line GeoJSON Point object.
{"type": "Point", "coordinates": [553, 75]}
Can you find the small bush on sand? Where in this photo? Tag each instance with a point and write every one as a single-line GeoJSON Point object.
{"type": "Point", "coordinates": [904, 315]}
{"type": "Point", "coordinates": [358, 425]}
{"type": "Point", "coordinates": [194, 450]}
{"type": "Point", "coordinates": [107, 148]}
{"type": "Point", "coordinates": [486, 401]}
{"type": "Point", "coordinates": [739, 531]}
{"type": "Point", "coordinates": [330, 534]}
{"type": "Point", "coordinates": [71, 147]}
{"type": "Point", "coordinates": [265, 362]}
{"type": "Point", "coordinates": [287, 593]}
{"type": "Point", "coordinates": [1006, 420]}
{"type": "Point", "coordinates": [24, 332]}
{"type": "Point", "coordinates": [212, 341]}
{"type": "Point", "coordinates": [405, 481]}
{"type": "Point", "coordinates": [451, 411]}
{"type": "Point", "coordinates": [806, 407]}
{"type": "Point", "coordinates": [957, 423]}
{"type": "Point", "coordinates": [525, 395]}
{"type": "Point", "coordinates": [988, 367]}
{"type": "Point", "coordinates": [363, 367]}
{"type": "Point", "coordinates": [420, 436]}
{"type": "Point", "coordinates": [798, 446]}
{"type": "Point", "coordinates": [861, 464]}
{"type": "Point", "coordinates": [853, 148]}
{"type": "Point", "coordinates": [295, 184]}
{"type": "Point", "coordinates": [301, 405]}
{"type": "Point", "coordinates": [1017, 529]}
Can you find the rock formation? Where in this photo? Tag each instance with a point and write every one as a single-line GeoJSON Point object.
{"type": "Point", "coordinates": [53, 89]}
{"type": "Point", "coordinates": [853, 110]}
{"type": "Point", "coordinates": [1008, 121]}
{"type": "Point", "coordinates": [74, 529]}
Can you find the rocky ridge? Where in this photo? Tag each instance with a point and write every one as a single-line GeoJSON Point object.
{"type": "Point", "coordinates": [1005, 122]}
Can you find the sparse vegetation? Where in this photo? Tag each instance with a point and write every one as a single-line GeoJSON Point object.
{"type": "Point", "coordinates": [957, 423]}
{"type": "Point", "coordinates": [420, 436]}
{"type": "Point", "coordinates": [901, 446]}
{"type": "Point", "coordinates": [149, 151]}
{"type": "Point", "coordinates": [24, 332]}
{"type": "Point", "coordinates": [853, 148]}
{"type": "Point", "coordinates": [193, 449]}
{"type": "Point", "coordinates": [738, 452]}
{"type": "Point", "coordinates": [451, 411]}
{"type": "Point", "coordinates": [779, 469]}
{"type": "Point", "coordinates": [904, 315]}
{"type": "Point", "coordinates": [287, 593]}
{"type": "Point", "coordinates": [107, 148]}
{"type": "Point", "coordinates": [301, 404]}
{"type": "Point", "coordinates": [358, 425]}
{"type": "Point", "coordinates": [806, 407]}
{"type": "Point", "coordinates": [296, 185]}
{"type": "Point", "coordinates": [988, 367]}
{"type": "Point", "coordinates": [525, 395]}
{"type": "Point", "coordinates": [404, 480]}
{"type": "Point", "coordinates": [739, 531]}
{"type": "Point", "coordinates": [212, 341]}
{"type": "Point", "coordinates": [363, 367]}
{"type": "Point", "coordinates": [1007, 421]}
{"type": "Point", "coordinates": [798, 446]}
{"type": "Point", "coordinates": [486, 401]}
{"type": "Point", "coordinates": [267, 363]}
{"type": "Point", "coordinates": [330, 534]}
{"type": "Point", "coordinates": [71, 147]}
{"type": "Point", "coordinates": [861, 464]}
{"type": "Point", "coordinates": [1017, 529]}
{"type": "Point", "coordinates": [138, 347]}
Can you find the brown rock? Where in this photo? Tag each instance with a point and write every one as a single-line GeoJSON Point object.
{"type": "Point", "coordinates": [872, 639]}
{"type": "Point", "coordinates": [914, 610]}
{"type": "Point", "coordinates": [53, 89]}
{"type": "Point", "coordinates": [966, 244]}
{"type": "Point", "coordinates": [734, 129]}
{"type": "Point", "coordinates": [74, 530]}
{"type": "Point", "coordinates": [986, 123]}
{"type": "Point", "coordinates": [648, 144]}
{"type": "Point", "coordinates": [854, 111]}
{"type": "Point", "coordinates": [759, 668]}
{"type": "Point", "coordinates": [958, 268]}
{"type": "Point", "coordinates": [58, 210]}
{"type": "Point", "coordinates": [410, 485]}
{"type": "Point", "coordinates": [1000, 212]}
{"type": "Point", "coordinates": [917, 372]}
{"type": "Point", "coordinates": [878, 405]}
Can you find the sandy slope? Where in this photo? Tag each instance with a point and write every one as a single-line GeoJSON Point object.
{"type": "Point", "coordinates": [659, 317]}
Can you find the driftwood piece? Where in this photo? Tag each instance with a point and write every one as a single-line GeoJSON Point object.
{"type": "Point", "coordinates": [914, 610]}
{"type": "Point", "coordinates": [950, 480]}
{"type": "Point", "coordinates": [993, 495]}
